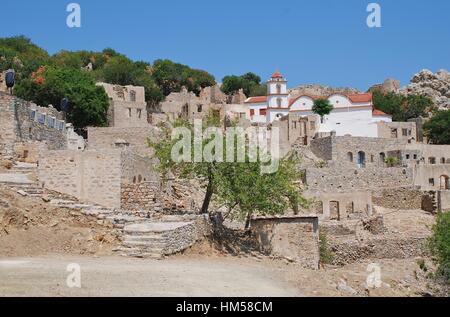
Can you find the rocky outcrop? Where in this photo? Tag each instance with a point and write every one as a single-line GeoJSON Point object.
{"type": "Point", "coordinates": [436, 86]}
{"type": "Point", "coordinates": [319, 90]}
{"type": "Point", "coordinates": [389, 85]}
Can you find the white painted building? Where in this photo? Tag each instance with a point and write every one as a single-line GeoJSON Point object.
{"type": "Point", "coordinates": [352, 114]}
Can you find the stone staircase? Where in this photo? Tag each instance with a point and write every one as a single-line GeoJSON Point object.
{"type": "Point", "coordinates": [22, 177]}
{"type": "Point", "coordinates": [144, 234]}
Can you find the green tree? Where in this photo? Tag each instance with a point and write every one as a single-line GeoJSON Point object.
{"type": "Point", "coordinates": [440, 244]}
{"type": "Point", "coordinates": [250, 83]}
{"type": "Point", "coordinates": [170, 77]}
{"type": "Point", "coordinates": [22, 55]}
{"type": "Point", "coordinates": [246, 192]}
{"type": "Point", "coordinates": [417, 106]}
{"type": "Point", "coordinates": [437, 129]}
{"type": "Point", "coordinates": [239, 186]}
{"type": "Point", "coordinates": [49, 85]}
{"type": "Point", "coordinates": [322, 107]}
{"type": "Point", "coordinates": [402, 108]}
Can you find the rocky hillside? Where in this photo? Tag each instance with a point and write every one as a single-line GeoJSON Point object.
{"type": "Point", "coordinates": [436, 86]}
{"type": "Point", "coordinates": [319, 90]}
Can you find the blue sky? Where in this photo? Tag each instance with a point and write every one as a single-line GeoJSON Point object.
{"type": "Point", "coordinates": [314, 41]}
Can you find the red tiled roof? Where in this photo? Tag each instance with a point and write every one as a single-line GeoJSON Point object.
{"type": "Point", "coordinates": [379, 113]}
{"type": "Point", "coordinates": [277, 74]}
{"type": "Point", "coordinates": [257, 99]}
{"type": "Point", "coordinates": [359, 98]}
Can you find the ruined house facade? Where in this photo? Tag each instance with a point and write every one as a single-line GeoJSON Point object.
{"type": "Point", "coordinates": [26, 127]}
{"type": "Point", "coordinates": [358, 168]}
{"type": "Point", "coordinates": [127, 106]}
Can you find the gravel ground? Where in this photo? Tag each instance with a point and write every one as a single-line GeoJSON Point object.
{"type": "Point", "coordinates": [118, 276]}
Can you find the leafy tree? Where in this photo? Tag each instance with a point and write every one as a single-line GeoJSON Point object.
{"type": "Point", "coordinates": [440, 244]}
{"type": "Point", "coordinates": [401, 107]}
{"type": "Point", "coordinates": [250, 83]}
{"type": "Point", "coordinates": [170, 77]}
{"type": "Point", "coordinates": [239, 186]}
{"type": "Point", "coordinates": [48, 85]}
{"type": "Point", "coordinates": [437, 128]}
{"type": "Point", "coordinates": [119, 70]}
{"type": "Point", "coordinates": [245, 191]}
{"type": "Point", "coordinates": [322, 107]}
{"type": "Point", "coordinates": [21, 54]}
{"type": "Point", "coordinates": [417, 106]}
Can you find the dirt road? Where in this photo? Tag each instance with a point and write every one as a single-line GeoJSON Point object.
{"type": "Point", "coordinates": [117, 276]}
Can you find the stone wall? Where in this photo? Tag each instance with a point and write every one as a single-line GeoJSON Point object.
{"type": "Point", "coordinates": [127, 106]}
{"type": "Point", "coordinates": [397, 130]}
{"type": "Point", "coordinates": [378, 248]}
{"type": "Point", "coordinates": [398, 198]}
{"type": "Point", "coordinates": [141, 196]}
{"type": "Point", "coordinates": [91, 176]}
{"type": "Point", "coordinates": [341, 206]}
{"type": "Point", "coordinates": [137, 169]}
{"type": "Point", "coordinates": [111, 138]}
{"type": "Point", "coordinates": [373, 149]}
{"type": "Point", "coordinates": [22, 121]}
{"type": "Point", "coordinates": [444, 200]}
{"type": "Point", "coordinates": [350, 179]}
{"type": "Point", "coordinates": [432, 177]}
{"type": "Point", "coordinates": [186, 236]}
{"type": "Point", "coordinates": [323, 148]}
{"type": "Point", "coordinates": [295, 238]}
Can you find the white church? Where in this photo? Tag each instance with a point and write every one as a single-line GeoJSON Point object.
{"type": "Point", "coordinates": [351, 115]}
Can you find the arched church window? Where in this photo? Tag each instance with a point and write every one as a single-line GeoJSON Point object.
{"type": "Point", "coordinates": [279, 102]}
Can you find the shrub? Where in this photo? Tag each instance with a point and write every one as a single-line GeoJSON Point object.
{"type": "Point", "coordinates": [326, 256]}
{"type": "Point", "coordinates": [440, 245]}
{"type": "Point", "coordinates": [391, 161]}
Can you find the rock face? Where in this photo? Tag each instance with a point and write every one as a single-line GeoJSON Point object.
{"type": "Point", "coordinates": [389, 85]}
{"type": "Point", "coordinates": [436, 86]}
{"type": "Point", "coordinates": [319, 90]}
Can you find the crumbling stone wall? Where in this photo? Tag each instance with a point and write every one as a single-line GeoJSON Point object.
{"type": "Point", "coordinates": [341, 205]}
{"type": "Point", "coordinates": [135, 139]}
{"type": "Point", "coordinates": [397, 130]}
{"type": "Point", "coordinates": [141, 196]}
{"type": "Point", "coordinates": [295, 238]}
{"type": "Point", "coordinates": [398, 198]}
{"type": "Point", "coordinates": [22, 121]}
{"type": "Point", "coordinates": [348, 179]}
{"type": "Point", "coordinates": [323, 148]}
{"type": "Point", "coordinates": [127, 107]}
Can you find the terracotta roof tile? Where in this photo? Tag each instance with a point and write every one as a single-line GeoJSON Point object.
{"type": "Point", "coordinates": [257, 99]}
{"type": "Point", "coordinates": [379, 113]}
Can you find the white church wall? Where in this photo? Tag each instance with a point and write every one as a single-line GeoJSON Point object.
{"type": "Point", "coordinates": [302, 103]}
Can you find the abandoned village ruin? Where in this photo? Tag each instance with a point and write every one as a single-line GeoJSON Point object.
{"type": "Point", "coordinates": [111, 175]}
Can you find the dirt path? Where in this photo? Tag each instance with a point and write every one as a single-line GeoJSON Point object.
{"type": "Point", "coordinates": [117, 276]}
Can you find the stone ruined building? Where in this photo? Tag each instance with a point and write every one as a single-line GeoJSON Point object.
{"type": "Point", "coordinates": [186, 104]}
{"type": "Point", "coordinates": [127, 106]}
{"type": "Point", "coordinates": [26, 128]}
{"type": "Point", "coordinates": [356, 175]}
